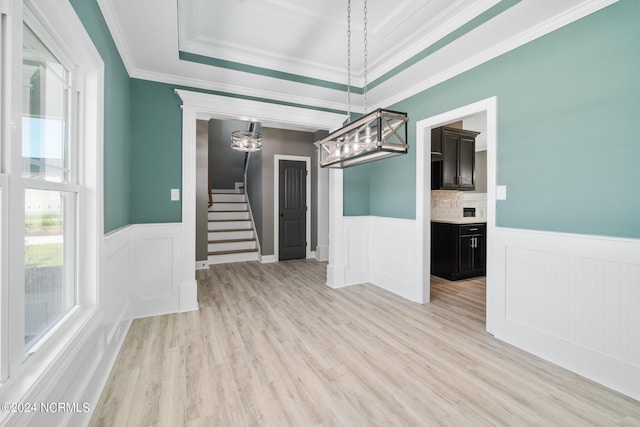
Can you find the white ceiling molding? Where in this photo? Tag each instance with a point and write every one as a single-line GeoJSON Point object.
{"type": "Point", "coordinates": [397, 85]}
{"type": "Point", "coordinates": [119, 38]}
{"type": "Point", "coordinates": [385, 63]}
{"type": "Point", "coordinates": [270, 115]}
{"type": "Point", "coordinates": [156, 57]}
{"type": "Point", "coordinates": [397, 32]}
{"type": "Point", "coordinates": [287, 97]}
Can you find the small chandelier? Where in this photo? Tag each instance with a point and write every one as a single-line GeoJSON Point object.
{"type": "Point", "coordinates": [247, 140]}
{"type": "Point", "coordinates": [377, 135]}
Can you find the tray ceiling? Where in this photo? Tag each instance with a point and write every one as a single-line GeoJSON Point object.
{"type": "Point", "coordinates": [294, 52]}
{"type": "Point", "coordinates": [310, 38]}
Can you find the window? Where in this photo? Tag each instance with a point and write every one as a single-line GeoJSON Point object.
{"type": "Point", "coordinates": [49, 192]}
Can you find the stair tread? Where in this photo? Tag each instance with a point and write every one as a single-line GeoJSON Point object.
{"type": "Point", "coordinates": [232, 240]}
{"type": "Point", "coordinates": [231, 230]}
{"type": "Point", "coordinates": [236, 251]}
{"type": "Point", "coordinates": [228, 220]}
{"type": "Point", "coordinates": [245, 211]}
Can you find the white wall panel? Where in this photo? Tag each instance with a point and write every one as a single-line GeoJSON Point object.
{"type": "Point", "coordinates": [357, 231]}
{"type": "Point", "coordinates": [393, 258]}
{"type": "Point", "coordinates": [571, 299]}
{"type": "Point", "coordinates": [381, 251]}
{"type": "Point", "coordinates": [156, 265]}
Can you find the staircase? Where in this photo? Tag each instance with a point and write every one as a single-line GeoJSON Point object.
{"type": "Point", "coordinates": [231, 235]}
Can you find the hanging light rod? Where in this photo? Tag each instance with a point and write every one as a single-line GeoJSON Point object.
{"type": "Point", "coordinates": [378, 135]}
{"type": "Point", "coordinates": [375, 136]}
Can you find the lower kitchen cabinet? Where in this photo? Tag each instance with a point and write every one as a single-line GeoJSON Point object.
{"type": "Point", "coordinates": [458, 251]}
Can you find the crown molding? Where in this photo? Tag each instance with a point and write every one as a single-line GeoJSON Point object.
{"type": "Point", "coordinates": [288, 117]}
{"type": "Point", "coordinates": [117, 34]}
{"type": "Point", "coordinates": [559, 21]}
{"type": "Point", "coordinates": [256, 58]}
{"type": "Point", "coordinates": [250, 92]}
{"type": "Point", "coordinates": [380, 66]}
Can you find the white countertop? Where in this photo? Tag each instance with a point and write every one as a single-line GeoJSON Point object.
{"type": "Point", "coordinates": [464, 220]}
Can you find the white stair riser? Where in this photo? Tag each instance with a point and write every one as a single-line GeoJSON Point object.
{"type": "Point", "coordinates": [228, 215]}
{"type": "Point", "coordinates": [231, 246]}
{"type": "Point", "coordinates": [230, 197]}
{"type": "Point", "coordinates": [229, 225]}
{"type": "Point", "coordinates": [228, 207]}
{"type": "Point", "coordinates": [230, 235]}
{"type": "Point", "coordinates": [223, 259]}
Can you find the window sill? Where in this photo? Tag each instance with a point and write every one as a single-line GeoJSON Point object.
{"type": "Point", "coordinates": [49, 359]}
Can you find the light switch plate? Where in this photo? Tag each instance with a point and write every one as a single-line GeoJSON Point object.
{"type": "Point", "coordinates": [501, 192]}
{"type": "Point", "coordinates": [175, 194]}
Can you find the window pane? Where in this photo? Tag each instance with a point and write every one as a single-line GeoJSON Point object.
{"type": "Point", "coordinates": [49, 260]}
{"type": "Point", "coordinates": [45, 118]}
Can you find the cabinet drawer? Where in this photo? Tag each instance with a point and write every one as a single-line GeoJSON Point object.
{"type": "Point", "coordinates": [472, 229]}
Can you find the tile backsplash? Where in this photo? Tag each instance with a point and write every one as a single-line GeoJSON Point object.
{"type": "Point", "coordinates": [477, 201]}
{"type": "Point", "coordinates": [446, 204]}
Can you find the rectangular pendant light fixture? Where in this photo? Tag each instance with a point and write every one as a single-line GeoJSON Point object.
{"type": "Point", "coordinates": [377, 135]}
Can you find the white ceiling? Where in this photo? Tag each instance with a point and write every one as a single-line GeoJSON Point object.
{"type": "Point", "coordinates": [308, 38]}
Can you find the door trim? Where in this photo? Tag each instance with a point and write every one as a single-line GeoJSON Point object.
{"type": "Point", "coordinates": [423, 194]}
{"type": "Point", "coordinates": [276, 202]}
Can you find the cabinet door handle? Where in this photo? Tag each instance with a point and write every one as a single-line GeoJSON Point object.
{"type": "Point", "coordinates": [473, 229]}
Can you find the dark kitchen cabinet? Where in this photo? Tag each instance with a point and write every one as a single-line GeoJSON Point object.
{"type": "Point", "coordinates": [456, 170]}
{"type": "Point", "coordinates": [458, 251]}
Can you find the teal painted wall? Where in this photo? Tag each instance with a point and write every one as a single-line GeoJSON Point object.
{"type": "Point", "coordinates": [156, 152]}
{"type": "Point", "coordinates": [117, 113]}
{"type": "Point", "coordinates": [567, 130]}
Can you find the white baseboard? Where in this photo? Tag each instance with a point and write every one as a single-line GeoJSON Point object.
{"type": "Point", "coordinates": [100, 375]}
{"type": "Point", "coordinates": [322, 253]}
{"type": "Point", "coordinates": [267, 259]}
{"type": "Point", "coordinates": [202, 265]}
{"type": "Point", "coordinates": [336, 276]}
{"type": "Point", "coordinates": [188, 297]}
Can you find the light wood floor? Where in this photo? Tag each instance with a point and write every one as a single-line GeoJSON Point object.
{"type": "Point", "coordinates": [273, 345]}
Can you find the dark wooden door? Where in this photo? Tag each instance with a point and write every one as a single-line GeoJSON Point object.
{"type": "Point", "coordinates": [293, 210]}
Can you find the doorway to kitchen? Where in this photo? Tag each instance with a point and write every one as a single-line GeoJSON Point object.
{"type": "Point", "coordinates": [484, 115]}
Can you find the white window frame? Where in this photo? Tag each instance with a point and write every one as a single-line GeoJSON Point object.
{"type": "Point", "coordinates": [57, 25]}
{"type": "Point", "coordinates": [21, 184]}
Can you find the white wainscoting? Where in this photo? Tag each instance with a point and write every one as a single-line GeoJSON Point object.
{"type": "Point", "coordinates": [81, 371]}
{"type": "Point", "coordinates": [156, 269]}
{"type": "Point", "coordinates": [571, 299]}
{"type": "Point", "coordinates": [394, 261]}
{"type": "Point", "coordinates": [357, 230]}
{"type": "Point", "coordinates": [380, 251]}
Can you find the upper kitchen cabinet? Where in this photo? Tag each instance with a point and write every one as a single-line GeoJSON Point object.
{"type": "Point", "coordinates": [456, 170]}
